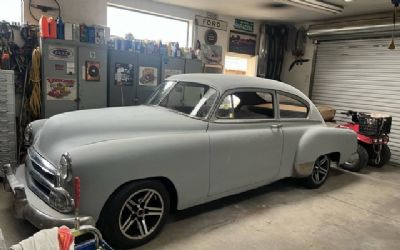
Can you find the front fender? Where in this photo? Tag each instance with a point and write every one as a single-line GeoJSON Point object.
{"type": "Point", "coordinates": [318, 141]}
{"type": "Point", "coordinates": [105, 166]}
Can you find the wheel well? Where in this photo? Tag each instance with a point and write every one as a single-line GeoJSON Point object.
{"type": "Point", "coordinates": [165, 181]}
{"type": "Point", "coordinates": [173, 195]}
{"type": "Point", "coordinates": [335, 156]}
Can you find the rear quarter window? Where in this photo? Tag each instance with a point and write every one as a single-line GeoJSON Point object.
{"type": "Point", "coordinates": [291, 107]}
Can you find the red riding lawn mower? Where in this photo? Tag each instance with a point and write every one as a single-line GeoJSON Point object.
{"type": "Point", "coordinates": [372, 135]}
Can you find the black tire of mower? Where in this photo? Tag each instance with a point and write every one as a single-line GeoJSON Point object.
{"type": "Point", "coordinates": [385, 157]}
{"type": "Point", "coordinates": [309, 183]}
{"type": "Point", "coordinates": [108, 223]}
{"type": "Point", "coordinates": [361, 163]}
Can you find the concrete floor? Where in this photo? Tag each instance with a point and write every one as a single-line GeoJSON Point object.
{"type": "Point", "coordinates": [351, 211]}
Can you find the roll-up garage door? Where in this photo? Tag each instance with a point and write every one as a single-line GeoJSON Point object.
{"type": "Point", "coordinates": [361, 75]}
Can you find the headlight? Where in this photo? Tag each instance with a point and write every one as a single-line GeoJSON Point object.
{"type": "Point", "coordinates": [64, 168]}
{"type": "Point", "coordinates": [28, 135]}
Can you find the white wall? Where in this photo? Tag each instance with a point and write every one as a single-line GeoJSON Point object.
{"type": "Point", "coordinates": [300, 75]}
{"type": "Point", "coordinates": [95, 12]}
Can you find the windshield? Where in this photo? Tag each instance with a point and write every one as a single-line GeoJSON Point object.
{"type": "Point", "coordinates": [193, 99]}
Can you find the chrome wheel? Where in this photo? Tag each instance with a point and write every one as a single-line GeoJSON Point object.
{"type": "Point", "coordinates": [321, 170]}
{"type": "Point", "coordinates": [141, 214]}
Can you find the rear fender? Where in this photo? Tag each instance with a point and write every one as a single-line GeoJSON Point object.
{"type": "Point", "coordinates": [318, 141]}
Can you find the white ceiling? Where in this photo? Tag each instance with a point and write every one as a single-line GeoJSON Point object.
{"type": "Point", "coordinates": [259, 9]}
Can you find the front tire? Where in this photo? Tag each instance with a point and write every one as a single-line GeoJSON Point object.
{"type": "Point", "coordinates": [135, 214]}
{"type": "Point", "coordinates": [358, 162]}
{"type": "Point", "coordinates": [385, 157]}
{"type": "Point", "coordinates": [319, 174]}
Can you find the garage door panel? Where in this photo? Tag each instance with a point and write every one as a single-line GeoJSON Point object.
{"type": "Point", "coordinates": [360, 75]}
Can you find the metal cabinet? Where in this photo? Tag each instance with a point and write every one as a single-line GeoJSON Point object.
{"type": "Point", "coordinates": [59, 87]}
{"type": "Point", "coordinates": [8, 136]}
{"type": "Point", "coordinates": [193, 66]}
{"type": "Point", "coordinates": [122, 69]}
{"type": "Point", "coordinates": [172, 66]}
{"type": "Point", "coordinates": [74, 76]}
{"type": "Point", "coordinates": [148, 77]}
{"type": "Point", "coordinates": [92, 86]}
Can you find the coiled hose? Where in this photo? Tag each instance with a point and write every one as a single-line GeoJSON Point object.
{"type": "Point", "coordinates": [34, 100]}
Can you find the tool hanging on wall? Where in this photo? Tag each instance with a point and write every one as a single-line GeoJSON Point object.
{"type": "Point", "coordinates": [396, 3]}
{"type": "Point", "coordinates": [299, 50]}
{"type": "Point", "coordinates": [34, 79]}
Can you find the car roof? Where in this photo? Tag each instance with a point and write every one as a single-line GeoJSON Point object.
{"type": "Point", "coordinates": [223, 82]}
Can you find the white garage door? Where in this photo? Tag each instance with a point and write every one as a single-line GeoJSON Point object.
{"type": "Point", "coordinates": [361, 75]}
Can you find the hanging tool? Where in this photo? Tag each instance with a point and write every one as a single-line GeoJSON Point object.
{"type": "Point", "coordinates": [396, 3]}
{"type": "Point", "coordinates": [299, 50]}
{"type": "Point", "coordinates": [34, 100]}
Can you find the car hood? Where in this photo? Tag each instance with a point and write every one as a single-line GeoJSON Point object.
{"type": "Point", "coordinates": [63, 132]}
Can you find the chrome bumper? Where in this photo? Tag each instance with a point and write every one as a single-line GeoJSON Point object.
{"type": "Point", "coordinates": [30, 207]}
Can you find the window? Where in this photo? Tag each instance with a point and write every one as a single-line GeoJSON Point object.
{"type": "Point", "coordinates": [235, 65]}
{"type": "Point", "coordinates": [147, 26]}
{"type": "Point", "coordinates": [11, 10]}
{"type": "Point", "coordinates": [290, 107]}
{"type": "Point", "coordinates": [189, 98]}
{"type": "Point", "coordinates": [247, 105]}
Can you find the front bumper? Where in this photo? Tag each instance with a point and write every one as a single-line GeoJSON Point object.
{"type": "Point", "coordinates": [30, 207]}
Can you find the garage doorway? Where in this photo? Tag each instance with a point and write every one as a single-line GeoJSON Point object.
{"type": "Point", "coordinates": [361, 75]}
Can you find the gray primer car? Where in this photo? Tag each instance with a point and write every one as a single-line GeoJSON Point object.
{"type": "Point", "coordinates": [200, 138]}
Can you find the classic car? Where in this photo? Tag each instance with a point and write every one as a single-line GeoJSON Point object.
{"type": "Point", "coordinates": [200, 137]}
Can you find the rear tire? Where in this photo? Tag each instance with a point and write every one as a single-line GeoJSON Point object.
{"type": "Point", "coordinates": [360, 162]}
{"type": "Point", "coordinates": [134, 214]}
{"type": "Point", "coordinates": [319, 174]}
{"type": "Point", "coordinates": [385, 157]}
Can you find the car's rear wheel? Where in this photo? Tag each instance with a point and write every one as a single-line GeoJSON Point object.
{"type": "Point", "coordinates": [135, 214]}
{"type": "Point", "coordinates": [357, 161]}
{"type": "Point", "coordinates": [319, 174]}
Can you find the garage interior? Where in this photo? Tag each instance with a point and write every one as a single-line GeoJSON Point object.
{"type": "Point", "coordinates": [342, 54]}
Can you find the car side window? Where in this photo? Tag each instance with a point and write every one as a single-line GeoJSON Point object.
{"type": "Point", "coordinates": [247, 105]}
{"type": "Point", "coordinates": [290, 107]}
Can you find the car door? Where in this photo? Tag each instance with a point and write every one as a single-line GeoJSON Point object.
{"type": "Point", "coordinates": [245, 140]}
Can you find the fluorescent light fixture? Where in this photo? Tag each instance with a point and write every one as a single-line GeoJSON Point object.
{"type": "Point", "coordinates": [315, 5]}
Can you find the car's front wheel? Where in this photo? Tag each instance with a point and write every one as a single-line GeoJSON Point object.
{"type": "Point", "coordinates": [135, 214]}
{"type": "Point", "coordinates": [319, 174]}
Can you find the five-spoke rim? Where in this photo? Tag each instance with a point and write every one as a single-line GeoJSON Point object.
{"type": "Point", "coordinates": [141, 214]}
{"type": "Point", "coordinates": [321, 169]}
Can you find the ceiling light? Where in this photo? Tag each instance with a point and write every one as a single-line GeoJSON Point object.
{"type": "Point", "coordinates": [316, 5]}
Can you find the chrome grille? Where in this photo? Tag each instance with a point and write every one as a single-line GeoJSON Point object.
{"type": "Point", "coordinates": [42, 178]}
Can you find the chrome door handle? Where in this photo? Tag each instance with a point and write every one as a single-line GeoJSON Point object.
{"type": "Point", "coordinates": [276, 126]}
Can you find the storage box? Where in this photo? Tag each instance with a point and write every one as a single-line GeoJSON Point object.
{"type": "Point", "coordinates": [327, 112]}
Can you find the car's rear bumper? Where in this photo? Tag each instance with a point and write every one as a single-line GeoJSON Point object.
{"type": "Point", "coordinates": [30, 207]}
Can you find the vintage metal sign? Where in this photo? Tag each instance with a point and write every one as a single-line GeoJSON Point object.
{"type": "Point", "coordinates": [244, 25]}
{"type": "Point", "coordinates": [211, 23]}
{"type": "Point", "coordinates": [61, 53]}
{"type": "Point", "coordinates": [61, 89]}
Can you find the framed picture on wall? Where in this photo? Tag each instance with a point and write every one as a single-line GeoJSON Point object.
{"type": "Point", "coordinates": [243, 43]}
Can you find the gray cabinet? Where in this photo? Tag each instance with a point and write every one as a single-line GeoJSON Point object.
{"type": "Point", "coordinates": [193, 66]}
{"type": "Point", "coordinates": [8, 137]}
{"type": "Point", "coordinates": [74, 76]}
{"type": "Point", "coordinates": [148, 77]}
{"type": "Point", "coordinates": [122, 82]}
{"type": "Point", "coordinates": [172, 66]}
{"type": "Point", "coordinates": [92, 87]}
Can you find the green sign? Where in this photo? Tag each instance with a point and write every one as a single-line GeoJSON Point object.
{"type": "Point", "coordinates": [244, 25]}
